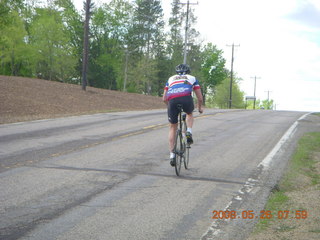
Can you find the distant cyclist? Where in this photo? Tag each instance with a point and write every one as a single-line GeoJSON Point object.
{"type": "Point", "coordinates": [178, 90]}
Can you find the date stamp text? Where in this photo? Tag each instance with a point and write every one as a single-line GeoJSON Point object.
{"type": "Point", "coordinates": [263, 214]}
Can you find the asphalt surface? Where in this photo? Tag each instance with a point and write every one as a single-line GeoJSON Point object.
{"type": "Point", "coordinates": [107, 176]}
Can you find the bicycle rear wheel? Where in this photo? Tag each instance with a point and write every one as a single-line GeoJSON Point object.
{"type": "Point", "coordinates": [178, 151]}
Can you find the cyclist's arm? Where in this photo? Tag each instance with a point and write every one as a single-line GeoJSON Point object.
{"type": "Point", "coordinates": [164, 96]}
{"type": "Point", "coordinates": [200, 99]}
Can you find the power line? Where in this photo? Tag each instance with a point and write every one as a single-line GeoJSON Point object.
{"type": "Point", "coordinates": [231, 78]}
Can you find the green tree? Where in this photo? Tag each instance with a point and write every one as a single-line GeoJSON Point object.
{"type": "Point", "coordinates": [212, 68]}
{"type": "Point", "coordinates": [14, 50]}
{"type": "Point", "coordinates": [249, 103]}
{"type": "Point", "coordinates": [54, 59]}
{"type": "Point", "coordinates": [266, 104]}
{"type": "Point", "coordinates": [129, 48]}
{"type": "Point", "coordinates": [163, 65]}
{"type": "Point", "coordinates": [147, 27]}
{"type": "Point", "coordinates": [141, 78]}
{"type": "Point", "coordinates": [73, 30]}
{"type": "Point", "coordinates": [222, 94]}
{"type": "Point", "coordinates": [260, 104]}
{"type": "Point", "coordinates": [175, 41]}
{"type": "Point", "coordinates": [193, 46]}
{"type": "Point", "coordinates": [109, 31]}
{"type": "Point", "coordinates": [148, 21]}
{"type": "Point", "coordinates": [119, 19]}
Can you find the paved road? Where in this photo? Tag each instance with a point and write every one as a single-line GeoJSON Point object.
{"type": "Point", "coordinates": [107, 176]}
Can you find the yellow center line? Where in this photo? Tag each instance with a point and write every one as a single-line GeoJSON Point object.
{"type": "Point", "coordinates": [203, 116]}
{"type": "Point", "coordinates": [130, 134]}
{"type": "Point", "coordinates": [151, 126]}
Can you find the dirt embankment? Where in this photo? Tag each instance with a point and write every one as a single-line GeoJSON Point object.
{"type": "Point", "coordinates": [25, 99]}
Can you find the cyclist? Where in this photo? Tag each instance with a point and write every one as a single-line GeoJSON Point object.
{"type": "Point", "coordinates": [178, 90]}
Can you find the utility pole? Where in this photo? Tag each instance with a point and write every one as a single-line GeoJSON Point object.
{"type": "Point", "coordinates": [268, 94]}
{"type": "Point", "coordinates": [186, 32]}
{"type": "Point", "coordinates": [268, 98]}
{"type": "Point", "coordinates": [87, 6]}
{"type": "Point", "coordinates": [254, 91]}
{"type": "Point", "coordinates": [231, 78]}
{"type": "Point", "coordinates": [126, 72]}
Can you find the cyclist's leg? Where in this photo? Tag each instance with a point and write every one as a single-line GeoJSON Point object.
{"type": "Point", "coordinates": [173, 120]}
{"type": "Point", "coordinates": [188, 108]}
{"type": "Point", "coordinates": [172, 135]}
{"type": "Point", "coordinates": [189, 120]}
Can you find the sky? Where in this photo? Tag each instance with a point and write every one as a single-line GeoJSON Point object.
{"type": "Point", "coordinates": [279, 45]}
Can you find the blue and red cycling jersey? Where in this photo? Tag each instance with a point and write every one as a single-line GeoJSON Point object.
{"type": "Point", "coordinates": [181, 85]}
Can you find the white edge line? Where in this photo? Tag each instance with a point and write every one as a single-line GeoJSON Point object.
{"type": "Point", "coordinates": [268, 159]}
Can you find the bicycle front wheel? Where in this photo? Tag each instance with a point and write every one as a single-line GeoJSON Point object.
{"type": "Point", "coordinates": [178, 151]}
{"type": "Point", "coordinates": [186, 146]}
{"type": "Point", "coordinates": [186, 158]}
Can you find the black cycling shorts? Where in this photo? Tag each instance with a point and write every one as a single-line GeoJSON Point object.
{"type": "Point", "coordinates": [173, 111]}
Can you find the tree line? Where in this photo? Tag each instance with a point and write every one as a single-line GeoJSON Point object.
{"type": "Point", "coordinates": [131, 47]}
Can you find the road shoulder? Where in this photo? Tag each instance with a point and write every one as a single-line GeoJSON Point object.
{"type": "Point", "coordinates": [294, 202]}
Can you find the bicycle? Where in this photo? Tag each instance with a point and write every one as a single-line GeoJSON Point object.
{"type": "Point", "coordinates": [181, 146]}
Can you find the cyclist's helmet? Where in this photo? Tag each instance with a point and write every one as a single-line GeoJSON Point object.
{"type": "Point", "coordinates": [183, 69]}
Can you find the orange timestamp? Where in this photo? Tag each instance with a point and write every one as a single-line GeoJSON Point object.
{"type": "Point", "coordinates": [264, 214]}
